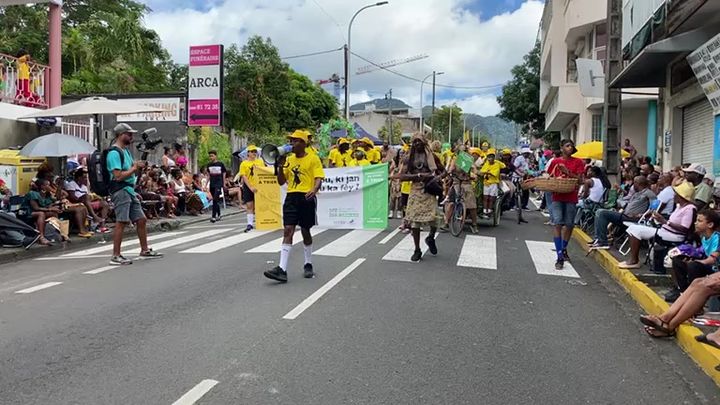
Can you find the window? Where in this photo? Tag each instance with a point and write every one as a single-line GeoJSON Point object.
{"type": "Point", "coordinates": [572, 74]}
{"type": "Point", "coordinates": [599, 43]}
{"type": "Point", "coordinates": [596, 127]}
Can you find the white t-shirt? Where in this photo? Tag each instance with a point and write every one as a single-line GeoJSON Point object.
{"type": "Point", "coordinates": [77, 190]}
{"type": "Point", "coordinates": [667, 196]}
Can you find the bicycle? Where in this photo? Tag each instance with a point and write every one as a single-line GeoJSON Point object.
{"type": "Point", "coordinates": [517, 181]}
{"type": "Point", "coordinates": [457, 220]}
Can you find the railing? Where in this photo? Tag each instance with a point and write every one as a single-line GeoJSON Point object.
{"type": "Point", "coordinates": [29, 92]}
{"type": "Point", "coordinates": [80, 128]}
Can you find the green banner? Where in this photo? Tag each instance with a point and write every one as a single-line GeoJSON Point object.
{"type": "Point", "coordinates": [464, 162]}
{"type": "Point", "coordinates": [375, 196]}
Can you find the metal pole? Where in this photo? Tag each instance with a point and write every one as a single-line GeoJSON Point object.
{"type": "Point", "coordinates": [432, 113]}
{"type": "Point", "coordinates": [450, 127]}
{"type": "Point", "coordinates": [55, 56]}
{"type": "Point", "coordinates": [392, 131]}
{"type": "Point", "coordinates": [346, 109]}
{"type": "Point", "coordinates": [349, 51]}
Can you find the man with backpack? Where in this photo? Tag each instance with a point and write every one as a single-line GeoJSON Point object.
{"type": "Point", "coordinates": [120, 171]}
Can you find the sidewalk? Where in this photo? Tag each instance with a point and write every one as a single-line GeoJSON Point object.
{"type": "Point", "coordinates": [9, 255]}
{"type": "Point", "coordinates": [650, 300]}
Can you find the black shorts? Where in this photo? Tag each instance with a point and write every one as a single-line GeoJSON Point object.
{"type": "Point", "coordinates": [247, 195]}
{"type": "Point", "coordinates": [297, 210]}
{"type": "Point", "coordinates": [403, 200]}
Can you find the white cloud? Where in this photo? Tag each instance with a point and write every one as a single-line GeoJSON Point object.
{"type": "Point", "coordinates": [469, 50]}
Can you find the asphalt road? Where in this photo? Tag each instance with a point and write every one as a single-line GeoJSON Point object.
{"type": "Point", "coordinates": [203, 323]}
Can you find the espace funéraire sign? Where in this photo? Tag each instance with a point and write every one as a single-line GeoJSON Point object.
{"type": "Point", "coordinates": [205, 86]}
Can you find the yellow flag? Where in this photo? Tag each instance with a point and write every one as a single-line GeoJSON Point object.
{"type": "Point", "coordinates": [268, 204]}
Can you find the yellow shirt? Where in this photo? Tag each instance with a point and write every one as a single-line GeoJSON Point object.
{"type": "Point", "coordinates": [302, 172]}
{"type": "Point", "coordinates": [493, 170]}
{"type": "Point", "coordinates": [247, 169]}
{"type": "Point", "coordinates": [310, 150]}
{"type": "Point", "coordinates": [361, 162]}
{"type": "Point", "coordinates": [447, 157]}
{"type": "Point", "coordinates": [332, 154]}
{"type": "Point", "coordinates": [373, 155]}
{"type": "Point", "coordinates": [341, 159]}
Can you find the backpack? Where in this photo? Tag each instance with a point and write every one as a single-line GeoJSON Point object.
{"type": "Point", "coordinates": [100, 181]}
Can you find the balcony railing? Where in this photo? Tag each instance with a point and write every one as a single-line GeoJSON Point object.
{"type": "Point", "coordinates": [29, 92]}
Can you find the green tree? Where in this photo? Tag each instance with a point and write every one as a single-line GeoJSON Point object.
{"type": "Point", "coordinates": [208, 139]}
{"type": "Point", "coordinates": [396, 133]}
{"type": "Point", "coordinates": [441, 120]}
{"type": "Point", "coordinates": [520, 98]}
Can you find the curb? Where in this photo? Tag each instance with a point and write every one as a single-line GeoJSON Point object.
{"type": "Point", "coordinates": [155, 227]}
{"type": "Point", "coordinates": [705, 356]}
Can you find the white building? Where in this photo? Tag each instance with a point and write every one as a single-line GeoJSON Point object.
{"type": "Point", "coordinates": [572, 29]}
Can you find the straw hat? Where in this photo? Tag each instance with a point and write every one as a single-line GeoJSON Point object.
{"type": "Point", "coordinates": [685, 190]}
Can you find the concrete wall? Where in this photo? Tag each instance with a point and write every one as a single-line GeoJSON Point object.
{"type": "Point", "coordinates": [634, 127]}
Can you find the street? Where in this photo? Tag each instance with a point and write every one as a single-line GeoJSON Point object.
{"type": "Point", "coordinates": [486, 321]}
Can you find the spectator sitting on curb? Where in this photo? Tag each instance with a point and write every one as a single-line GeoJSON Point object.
{"type": "Point", "coordinates": [686, 269]}
{"type": "Point", "coordinates": [676, 229]}
{"type": "Point", "coordinates": [636, 206]}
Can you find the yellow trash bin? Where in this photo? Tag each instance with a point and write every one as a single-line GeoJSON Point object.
{"type": "Point", "coordinates": [18, 171]}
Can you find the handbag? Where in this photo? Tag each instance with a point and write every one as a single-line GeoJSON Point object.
{"type": "Point", "coordinates": [433, 188]}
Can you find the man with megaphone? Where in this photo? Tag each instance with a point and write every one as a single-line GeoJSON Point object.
{"type": "Point", "coordinates": [303, 173]}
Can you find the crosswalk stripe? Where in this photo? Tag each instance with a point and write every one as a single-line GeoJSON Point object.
{"type": "Point", "coordinates": [180, 241]}
{"type": "Point", "coordinates": [348, 243]}
{"type": "Point", "coordinates": [274, 245]}
{"type": "Point", "coordinates": [100, 270]}
{"type": "Point", "coordinates": [478, 252]}
{"type": "Point", "coordinates": [220, 244]}
{"type": "Point", "coordinates": [544, 259]}
{"type": "Point", "coordinates": [406, 247]}
{"type": "Point", "coordinates": [38, 287]}
{"type": "Point", "coordinates": [109, 246]}
{"type": "Point", "coordinates": [390, 236]}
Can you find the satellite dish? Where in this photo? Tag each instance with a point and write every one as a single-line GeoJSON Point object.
{"type": "Point", "coordinates": [591, 77]}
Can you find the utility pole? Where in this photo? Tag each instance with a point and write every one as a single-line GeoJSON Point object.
{"type": "Point", "coordinates": [391, 130]}
{"type": "Point", "coordinates": [432, 113]}
{"type": "Point", "coordinates": [346, 52]}
{"type": "Point", "coordinates": [612, 111]}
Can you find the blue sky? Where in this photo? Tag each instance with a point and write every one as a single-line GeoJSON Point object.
{"type": "Point", "coordinates": [475, 42]}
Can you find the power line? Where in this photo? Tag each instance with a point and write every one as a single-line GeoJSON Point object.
{"type": "Point", "coordinates": [340, 31]}
{"type": "Point", "coordinates": [312, 54]}
{"type": "Point", "coordinates": [420, 81]}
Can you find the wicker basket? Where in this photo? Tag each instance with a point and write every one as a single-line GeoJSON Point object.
{"type": "Point", "coordinates": [552, 184]}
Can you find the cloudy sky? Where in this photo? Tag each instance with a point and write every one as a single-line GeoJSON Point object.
{"type": "Point", "coordinates": [475, 42]}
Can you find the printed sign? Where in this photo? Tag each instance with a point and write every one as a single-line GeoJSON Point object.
{"type": "Point", "coordinates": [705, 63]}
{"type": "Point", "coordinates": [349, 198]}
{"type": "Point", "coordinates": [205, 86]}
{"type": "Point", "coordinates": [171, 105]}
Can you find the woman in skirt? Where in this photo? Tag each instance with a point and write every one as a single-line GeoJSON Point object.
{"type": "Point", "coordinates": [422, 167]}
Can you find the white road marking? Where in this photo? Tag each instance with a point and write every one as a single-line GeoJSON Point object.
{"type": "Point", "coordinates": [196, 392]}
{"type": "Point", "coordinates": [405, 248]}
{"type": "Point", "coordinates": [307, 302]}
{"type": "Point", "coordinates": [348, 243]}
{"type": "Point", "coordinates": [100, 270]}
{"type": "Point", "coordinates": [390, 236]}
{"type": "Point", "coordinates": [38, 287]}
{"type": "Point", "coordinates": [544, 259]}
{"type": "Point", "coordinates": [45, 259]}
{"type": "Point", "coordinates": [108, 246]}
{"type": "Point", "coordinates": [179, 241]}
{"type": "Point", "coordinates": [222, 224]}
{"type": "Point", "coordinates": [274, 245]}
{"type": "Point", "coordinates": [219, 244]}
{"type": "Point", "coordinates": [532, 199]}
{"type": "Point", "coordinates": [478, 252]}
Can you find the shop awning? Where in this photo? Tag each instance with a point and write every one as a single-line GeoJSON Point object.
{"type": "Point", "coordinates": [648, 69]}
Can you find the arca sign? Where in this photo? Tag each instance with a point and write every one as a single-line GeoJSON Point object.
{"type": "Point", "coordinates": [205, 86]}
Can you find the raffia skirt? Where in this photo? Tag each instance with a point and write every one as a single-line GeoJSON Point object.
{"type": "Point", "coordinates": [421, 208]}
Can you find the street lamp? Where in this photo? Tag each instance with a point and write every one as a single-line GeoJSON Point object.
{"type": "Point", "coordinates": [473, 134]}
{"type": "Point", "coordinates": [422, 128]}
{"type": "Point", "coordinates": [348, 57]}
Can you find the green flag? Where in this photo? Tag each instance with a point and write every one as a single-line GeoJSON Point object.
{"type": "Point", "coordinates": [464, 161]}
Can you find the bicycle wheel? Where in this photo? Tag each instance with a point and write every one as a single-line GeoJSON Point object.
{"type": "Point", "coordinates": [518, 206]}
{"type": "Point", "coordinates": [457, 222]}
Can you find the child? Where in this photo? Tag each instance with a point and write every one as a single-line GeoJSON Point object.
{"type": "Point", "coordinates": [686, 269]}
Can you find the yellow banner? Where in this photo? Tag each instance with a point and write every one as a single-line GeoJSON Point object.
{"type": "Point", "coordinates": [268, 207]}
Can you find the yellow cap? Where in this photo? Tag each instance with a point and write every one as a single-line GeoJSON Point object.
{"type": "Point", "coordinates": [491, 151]}
{"type": "Point", "coordinates": [300, 134]}
{"type": "Point", "coordinates": [252, 148]}
{"type": "Point", "coordinates": [342, 141]}
{"type": "Point", "coordinates": [485, 144]}
{"type": "Point", "coordinates": [367, 141]}
{"type": "Point", "coordinates": [506, 151]}
{"type": "Point", "coordinates": [475, 151]}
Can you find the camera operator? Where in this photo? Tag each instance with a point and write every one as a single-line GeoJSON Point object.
{"type": "Point", "coordinates": [123, 171]}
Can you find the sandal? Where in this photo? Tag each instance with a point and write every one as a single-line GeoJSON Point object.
{"type": "Point", "coordinates": [649, 321]}
{"type": "Point", "coordinates": [657, 333]}
{"type": "Point", "coordinates": [704, 339]}
{"type": "Point", "coordinates": [44, 242]}
{"type": "Point", "coordinates": [627, 266]}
